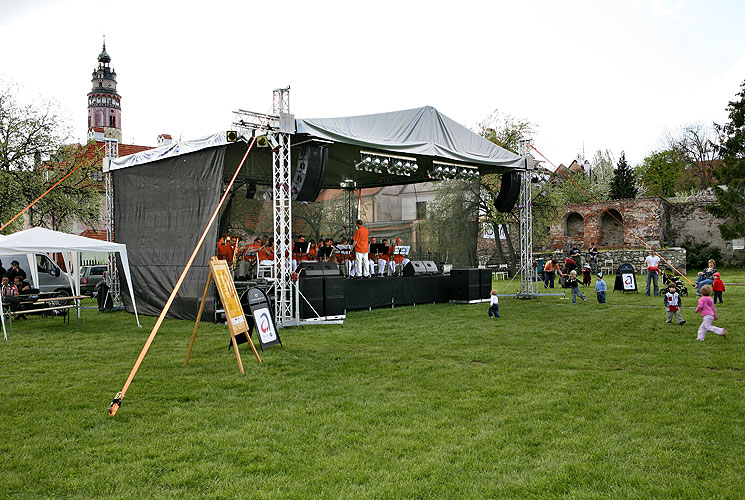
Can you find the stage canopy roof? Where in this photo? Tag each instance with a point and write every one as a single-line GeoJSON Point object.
{"type": "Point", "coordinates": [424, 134]}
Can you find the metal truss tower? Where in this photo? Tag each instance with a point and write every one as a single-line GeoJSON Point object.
{"type": "Point", "coordinates": [111, 151]}
{"type": "Point", "coordinates": [284, 298]}
{"type": "Point", "coordinates": [528, 275]}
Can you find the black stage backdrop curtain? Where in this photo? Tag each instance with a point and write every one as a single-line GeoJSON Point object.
{"type": "Point", "coordinates": [161, 209]}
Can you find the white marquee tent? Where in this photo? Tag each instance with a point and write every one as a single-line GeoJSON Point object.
{"type": "Point", "coordinates": [40, 240]}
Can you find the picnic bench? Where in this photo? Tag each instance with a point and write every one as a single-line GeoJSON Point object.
{"type": "Point", "coordinates": [40, 303]}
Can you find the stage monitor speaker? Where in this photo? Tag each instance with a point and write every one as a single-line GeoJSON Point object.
{"type": "Point", "coordinates": [509, 191]}
{"type": "Point", "coordinates": [309, 174]}
{"type": "Point", "coordinates": [330, 269]}
{"type": "Point", "coordinates": [414, 268]}
{"type": "Point", "coordinates": [430, 267]}
{"type": "Point", "coordinates": [312, 269]}
{"type": "Point", "coordinates": [250, 190]}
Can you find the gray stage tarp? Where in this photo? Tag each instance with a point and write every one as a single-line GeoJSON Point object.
{"type": "Point", "coordinates": [161, 209]}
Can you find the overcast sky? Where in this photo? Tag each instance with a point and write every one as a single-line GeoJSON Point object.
{"type": "Point", "coordinates": [589, 74]}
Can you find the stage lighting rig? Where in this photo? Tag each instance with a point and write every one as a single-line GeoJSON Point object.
{"type": "Point", "coordinates": [442, 170]}
{"type": "Point", "coordinates": [391, 164]}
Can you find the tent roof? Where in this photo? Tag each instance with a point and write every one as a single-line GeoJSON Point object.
{"type": "Point", "coordinates": [39, 239]}
{"type": "Point", "coordinates": [418, 131]}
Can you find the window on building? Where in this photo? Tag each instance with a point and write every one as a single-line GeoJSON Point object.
{"type": "Point", "coordinates": [112, 121]}
{"type": "Point", "coordinates": [421, 209]}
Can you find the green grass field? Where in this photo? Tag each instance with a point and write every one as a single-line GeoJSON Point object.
{"type": "Point", "coordinates": [553, 400]}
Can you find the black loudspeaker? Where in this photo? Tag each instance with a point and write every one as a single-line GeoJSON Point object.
{"type": "Point", "coordinates": [333, 295]}
{"type": "Point", "coordinates": [509, 191]}
{"type": "Point", "coordinates": [312, 269]}
{"type": "Point", "coordinates": [430, 267]}
{"type": "Point", "coordinates": [484, 283]}
{"type": "Point", "coordinates": [311, 168]}
{"type": "Point", "coordinates": [330, 269]}
{"type": "Point", "coordinates": [250, 190]}
{"type": "Point", "coordinates": [415, 268]}
{"type": "Point", "coordinates": [465, 284]}
{"type": "Point", "coordinates": [312, 289]}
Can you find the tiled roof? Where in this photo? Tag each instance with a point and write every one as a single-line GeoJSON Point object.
{"type": "Point", "coordinates": [95, 234]}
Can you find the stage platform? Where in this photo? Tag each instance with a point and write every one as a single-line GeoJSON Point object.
{"type": "Point", "coordinates": [365, 293]}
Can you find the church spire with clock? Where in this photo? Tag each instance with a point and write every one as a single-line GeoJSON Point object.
{"type": "Point", "coordinates": [104, 103]}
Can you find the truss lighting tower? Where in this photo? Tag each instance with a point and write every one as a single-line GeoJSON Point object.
{"type": "Point", "coordinates": [282, 210]}
{"type": "Point", "coordinates": [528, 274]}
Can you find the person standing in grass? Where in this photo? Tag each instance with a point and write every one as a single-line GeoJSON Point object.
{"type": "Point", "coordinates": [708, 313]}
{"type": "Point", "coordinates": [718, 288]}
{"type": "Point", "coordinates": [673, 304]}
{"type": "Point", "coordinates": [573, 283]}
{"type": "Point", "coordinates": [494, 304]}
{"type": "Point", "coordinates": [653, 269]}
{"type": "Point", "coordinates": [600, 288]}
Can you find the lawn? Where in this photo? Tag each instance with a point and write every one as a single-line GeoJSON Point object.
{"type": "Point", "coordinates": [553, 400]}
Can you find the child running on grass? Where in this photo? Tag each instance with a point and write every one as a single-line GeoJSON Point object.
{"type": "Point", "coordinates": [673, 304]}
{"type": "Point", "coordinates": [494, 304]}
{"type": "Point", "coordinates": [574, 285]}
{"type": "Point", "coordinates": [709, 313]}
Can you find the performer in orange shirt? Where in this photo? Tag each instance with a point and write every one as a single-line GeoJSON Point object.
{"type": "Point", "coordinates": [361, 247]}
{"type": "Point", "coordinates": [222, 249]}
{"type": "Point", "coordinates": [372, 256]}
{"type": "Point", "coordinates": [383, 257]}
{"type": "Point", "coordinates": [266, 254]}
{"type": "Point", "coordinates": [312, 250]}
{"type": "Point", "coordinates": [396, 259]}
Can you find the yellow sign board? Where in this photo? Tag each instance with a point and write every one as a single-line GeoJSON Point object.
{"type": "Point", "coordinates": [237, 324]}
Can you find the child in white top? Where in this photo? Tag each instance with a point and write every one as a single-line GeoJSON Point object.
{"type": "Point", "coordinates": [494, 304]}
{"type": "Point", "coordinates": [673, 305]}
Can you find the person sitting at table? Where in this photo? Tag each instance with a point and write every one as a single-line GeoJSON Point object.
{"type": "Point", "coordinates": [8, 289]}
{"type": "Point", "coordinates": [24, 288]}
{"type": "Point", "coordinates": [15, 270]}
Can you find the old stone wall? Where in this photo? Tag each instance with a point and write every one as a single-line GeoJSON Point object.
{"type": "Point", "coordinates": [690, 220]}
{"type": "Point", "coordinates": [585, 223]}
{"type": "Point", "coordinates": [634, 256]}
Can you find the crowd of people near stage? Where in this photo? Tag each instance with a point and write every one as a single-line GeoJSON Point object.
{"type": "Point", "coordinates": [362, 257]}
{"type": "Point", "coordinates": [709, 286]}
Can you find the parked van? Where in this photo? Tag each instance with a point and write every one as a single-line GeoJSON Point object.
{"type": "Point", "coordinates": [51, 277]}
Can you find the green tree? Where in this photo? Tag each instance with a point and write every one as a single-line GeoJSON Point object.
{"type": "Point", "coordinates": [730, 171]}
{"type": "Point", "coordinates": [622, 185]}
{"type": "Point", "coordinates": [34, 155]}
{"type": "Point", "coordinates": [660, 171]}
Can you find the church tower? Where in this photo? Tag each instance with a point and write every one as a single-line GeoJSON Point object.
{"type": "Point", "coordinates": [104, 103]}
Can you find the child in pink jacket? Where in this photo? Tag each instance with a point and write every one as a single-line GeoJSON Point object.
{"type": "Point", "coordinates": [709, 313]}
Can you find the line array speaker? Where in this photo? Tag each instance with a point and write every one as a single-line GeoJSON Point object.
{"type": "Point", "coordinates": [309, 174]}
{"type": "Point", "coordinates": [509, 191]}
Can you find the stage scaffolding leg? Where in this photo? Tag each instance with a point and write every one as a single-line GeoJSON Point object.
{"type": "Point", "coordinates": [528, 275]}
{"type": "Point", "coordinates": [284, 298]}
{"type": "Point", "coordinates": [112, 274]}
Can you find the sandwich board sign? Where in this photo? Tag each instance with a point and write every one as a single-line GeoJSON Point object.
{"type": "Point", "coordinates": [266, 330]}
{"type": "Point", "coordinates": [237, 324]}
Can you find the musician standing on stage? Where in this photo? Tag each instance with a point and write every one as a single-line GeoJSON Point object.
{"type": "Point", "coordinates": [361, 247]}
